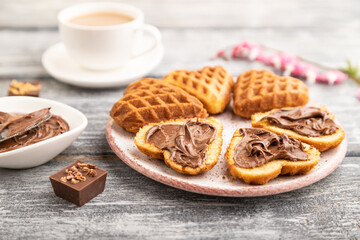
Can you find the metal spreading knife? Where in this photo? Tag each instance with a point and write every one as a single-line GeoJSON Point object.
{"type": "Point", "coordinates": [28, 124]}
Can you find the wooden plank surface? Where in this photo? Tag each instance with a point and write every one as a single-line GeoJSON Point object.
{"type": "Point", "coordinates": [133, 206]}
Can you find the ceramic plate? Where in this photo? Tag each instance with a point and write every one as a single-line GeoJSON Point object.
{"type": "Point", "coordinates": [217, 181]}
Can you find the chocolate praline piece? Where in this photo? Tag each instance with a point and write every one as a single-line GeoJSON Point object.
{"type": "Point", "coordinates": [83, 190]}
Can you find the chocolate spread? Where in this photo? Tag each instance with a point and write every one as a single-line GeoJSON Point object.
{"type": "Point", "coordinates": [48, 129]}
{"type": "Point", "coordinates": [307, 121]}
{"type": "Point", "coordinates": [186, 142]}
{"type": "Point", "coordinates": [259, 146]}
{"type": "Point", "coordinates": [17, 123]}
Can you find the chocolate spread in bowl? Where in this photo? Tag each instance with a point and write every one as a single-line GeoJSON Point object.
{"type": "Point", "coordinates": [186, 142]}
{"type": "Point", "coordinates": [259, 146]}
{"type": "Point", "coordinates": [17, 122]}
{"type": "Point", "coordinates": [307, 121]}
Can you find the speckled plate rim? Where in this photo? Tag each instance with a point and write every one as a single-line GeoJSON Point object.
{"type": "Point", "coordinates": [251, 191]}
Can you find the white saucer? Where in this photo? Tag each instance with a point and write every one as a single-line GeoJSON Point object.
{"type": "Point", "coordinates": [59, 65]}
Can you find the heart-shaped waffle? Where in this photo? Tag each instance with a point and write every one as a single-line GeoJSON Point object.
{"type": "Point", "coordinates": [211, 85]}
{"type": "Point", "coordinates": [212, 151]}
{"type": "Point", "coordinates": [261, 90]}
{"type": "Point", "coordinates": [150, 101]}
{"type": "Point", "coordinates": [272, 169]}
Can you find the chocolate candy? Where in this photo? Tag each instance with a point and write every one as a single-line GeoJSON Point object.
{"type": "Point", "coordinates": [79, 182]}
{"type": "Point", "coordinates": [24, 88]}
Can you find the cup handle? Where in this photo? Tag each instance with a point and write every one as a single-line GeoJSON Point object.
{"type": "Point", "coordinates": [154, 32]}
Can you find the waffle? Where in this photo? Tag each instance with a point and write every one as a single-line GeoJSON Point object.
{"type": "Point", "coordinates": [150, 101]}
{"type": "Point", "coordinates": [211, 85]}
{"type": "Point", "coordinates": [263, 174]}
{"type": "Point", "coordinates": [322, 143]}
{"type": "Point", "coordinates": [261, 90]}
{"type": "Point", "coordinates": [212, 151]}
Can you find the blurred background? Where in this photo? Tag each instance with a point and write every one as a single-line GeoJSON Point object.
{"type": "Point", "coordinates": [320, 30]}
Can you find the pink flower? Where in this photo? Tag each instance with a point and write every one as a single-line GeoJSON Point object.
{"type": "Point", "coordinates": [273, 60]}
{"type": "Point", "coordinates": [261, 57]}
{"type": "Point", "coordinates": [358, 94]}
{"type": "Point", "coordinates": [288, 59]}
{"type": "Point", "coordinates": [237, 51]}
{"type": "Point", "coordinates": [332, 77]}
{"type": "Point", "coordinates": [306, 71]}
{"type": "Point", "coordinates": [248, 50]}
{"type": "Point", "coordinates": [288, 63]}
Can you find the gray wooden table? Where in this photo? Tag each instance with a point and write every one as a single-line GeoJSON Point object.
{"type": "Point", "coordinates": [134, 206]}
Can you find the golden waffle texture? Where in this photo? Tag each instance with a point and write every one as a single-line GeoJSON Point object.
{"type": "Point", "coordinates": [152, 100]}
{"type": "Point", "coordinates": [261, 90]}
{"type": "Point", "coordinates": [211, 85]}
{"type": "Point", "coordinates": [212, 151]}
{"type": "Point", "coordinates": [263, 174]}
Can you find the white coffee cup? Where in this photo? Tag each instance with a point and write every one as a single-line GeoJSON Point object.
{"type": "Point", "coordinates": [104, 47]}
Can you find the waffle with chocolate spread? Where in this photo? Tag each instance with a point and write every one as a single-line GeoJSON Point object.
{"type": "Point", "coordinates": [189, 146]}
{"type": "Point", "coordinates": [311, 125]}
{"type": "Point", "coordinates": [257, 156]}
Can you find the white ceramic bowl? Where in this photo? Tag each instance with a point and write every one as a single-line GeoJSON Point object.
{"type": "Point", "coordinates": [41, 152]}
